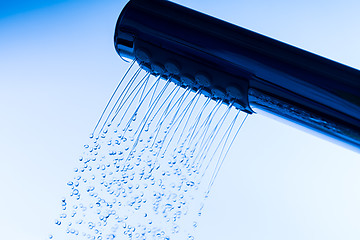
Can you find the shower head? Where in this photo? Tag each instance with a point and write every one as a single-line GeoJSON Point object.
{"type": "Point", "coordinates": [242, 68]}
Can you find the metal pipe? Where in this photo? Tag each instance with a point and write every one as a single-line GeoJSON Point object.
{"type": "Point", "coordinates": [242, 67]}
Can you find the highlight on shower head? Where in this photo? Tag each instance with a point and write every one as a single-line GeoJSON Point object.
{"type": "Point", "coordinates": [242, 68]}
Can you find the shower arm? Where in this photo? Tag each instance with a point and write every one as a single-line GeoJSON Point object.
{"type": "Point", "coordinates": [241, 67]}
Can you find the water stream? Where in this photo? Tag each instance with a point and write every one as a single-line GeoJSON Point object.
{"type": "Point", "coordinates": [150, 162]}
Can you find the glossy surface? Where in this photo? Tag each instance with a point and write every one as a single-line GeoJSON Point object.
{"type": "Point", "coordinates": [299, 78]}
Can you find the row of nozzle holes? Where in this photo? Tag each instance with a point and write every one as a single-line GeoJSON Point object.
{"type": "Point", "coordinates": [171, 69]}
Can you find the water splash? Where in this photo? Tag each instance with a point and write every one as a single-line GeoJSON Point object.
{"type": "Point", "coordinates": [151, 161]}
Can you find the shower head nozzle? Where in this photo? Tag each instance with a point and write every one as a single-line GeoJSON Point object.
{"type": "Point", "coordinates": [172, 54]}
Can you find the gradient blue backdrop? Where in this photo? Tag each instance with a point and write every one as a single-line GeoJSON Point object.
{"type": "Point", "coordinates": [58, 67]}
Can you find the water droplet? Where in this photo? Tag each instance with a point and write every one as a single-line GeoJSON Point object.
{"type": "Point", "coordinates": [91, 225]}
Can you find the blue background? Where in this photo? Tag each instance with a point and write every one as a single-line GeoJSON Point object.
{"type": "Point", "coordinates": [8, 8]}
{"type": "Point", "coordinates": [58, 67]}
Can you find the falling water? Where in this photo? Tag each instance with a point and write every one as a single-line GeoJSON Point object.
{"type": "Point", "coordinates": [150, 162]}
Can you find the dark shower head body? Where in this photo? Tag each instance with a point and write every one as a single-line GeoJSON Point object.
{"type": "Point", "coordinates": [241, 67]}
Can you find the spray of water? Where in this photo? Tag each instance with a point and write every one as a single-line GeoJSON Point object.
{"type": "Point", "coordinates": [150, 162]}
